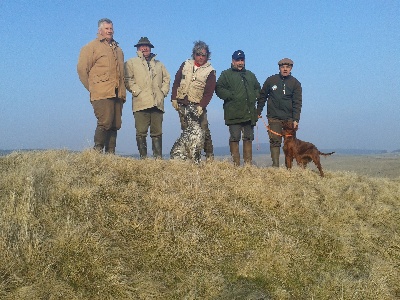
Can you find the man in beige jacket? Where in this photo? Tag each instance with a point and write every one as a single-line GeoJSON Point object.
{"type": "Point", "coordinates": [100, 69]}
{"type": "Point", "coordinates": [148, 81]}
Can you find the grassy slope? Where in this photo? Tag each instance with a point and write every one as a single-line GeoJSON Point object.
{"type": "Point", "coordinates": [89, 226]}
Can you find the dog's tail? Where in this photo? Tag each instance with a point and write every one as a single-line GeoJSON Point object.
{"type": "Point", "coordinates": [326, 154]}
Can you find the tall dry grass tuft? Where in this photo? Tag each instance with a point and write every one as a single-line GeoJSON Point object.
{"type": "Point", "coordinates": [90, 226]}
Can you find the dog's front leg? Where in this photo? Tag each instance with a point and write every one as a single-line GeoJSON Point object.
{"type": "Point", "coordinates": [288, 161]}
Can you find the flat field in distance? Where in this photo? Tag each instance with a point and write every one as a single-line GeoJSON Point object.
{"type": "Point", "coordinates": [378, 165]}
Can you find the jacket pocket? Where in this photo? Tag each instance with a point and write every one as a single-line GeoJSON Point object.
{"type": "Point", "coordinates": [101, 78]}
{"type": "Point", "coordinates": [196, 90]}
{"type": "Point", "coordinates": [233, 110]}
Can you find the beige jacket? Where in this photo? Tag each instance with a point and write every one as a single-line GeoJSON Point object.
{"type": "Point", "coordinates": [100, 69]}
{"type": "Point", "coordinates": [148, 82]}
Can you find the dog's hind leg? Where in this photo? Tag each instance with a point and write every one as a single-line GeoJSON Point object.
{"type": "Point", "coordinates": [317, 162]}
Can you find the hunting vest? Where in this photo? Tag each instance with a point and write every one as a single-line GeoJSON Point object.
{"type": "Point", "coordinates": [193, 81]}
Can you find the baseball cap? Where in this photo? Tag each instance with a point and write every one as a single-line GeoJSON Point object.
{"type": "Point", "coordinates": [238, 54]}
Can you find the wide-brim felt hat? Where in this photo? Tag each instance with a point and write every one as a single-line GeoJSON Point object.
{"type": "Point", "coordinates": [144, 41]}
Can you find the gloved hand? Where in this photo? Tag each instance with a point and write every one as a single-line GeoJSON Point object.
{"type": "Point", "coordinates": [199, 110]}
{"type": "Point", "coordinates": [175, 104]}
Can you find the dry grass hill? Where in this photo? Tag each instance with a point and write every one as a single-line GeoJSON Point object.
{"type": "Point", "coordinates": [90, 226]}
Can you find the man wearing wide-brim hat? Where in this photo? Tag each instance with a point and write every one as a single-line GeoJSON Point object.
{"type": "Point", "coordinates": [148, 80]}
{"type": "Point", "coordinates": [144, 41]}
{"type": "Point", "coordinates": [284, 95]}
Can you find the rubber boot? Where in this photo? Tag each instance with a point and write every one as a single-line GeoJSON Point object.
{"type": "Point", "coordinates": [142, 146]}
{"type": "Point", "coordinates": [157, 147]}
{"type": "Point", "coordinates": [275, 152]}
{"type": "Point", "coordinates": [208, 147]}
{"type": "Point", "coordinates": [111, 142]}
{"type": "Point", "coordinates": [247, 152]}
{"type": "Point", "coordinates": [234, 147]}
{"type": "Point", "coordinates": [100, 135]}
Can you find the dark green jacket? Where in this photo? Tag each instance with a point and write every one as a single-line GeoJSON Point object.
{"type": "Point", "coordinates": [283, 96]}
{"type": "Point", "coordinates": [240, 91]}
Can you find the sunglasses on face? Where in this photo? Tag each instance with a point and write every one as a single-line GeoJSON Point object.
{"type": "Point", "coordinates": [201, 54]}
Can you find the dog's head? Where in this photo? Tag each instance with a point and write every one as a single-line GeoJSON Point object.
{"type": "Point", "coordinates": [288, 129]}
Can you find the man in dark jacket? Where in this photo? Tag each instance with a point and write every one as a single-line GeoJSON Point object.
{"type": "Point", "coordinates": [240, 89]}
{"type": "Point", "coordinates": [284, 95]}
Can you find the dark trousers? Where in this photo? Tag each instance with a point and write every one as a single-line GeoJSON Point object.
{"type": "Point", "coordinates": [236, 131]}
{"type": "Point", "coordinates": [275, 126]}
{"type": "Point", "coordinates": [149, 118]}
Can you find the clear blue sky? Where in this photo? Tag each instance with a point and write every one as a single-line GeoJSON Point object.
{"type": "Point", "coordinates": [346, 55]}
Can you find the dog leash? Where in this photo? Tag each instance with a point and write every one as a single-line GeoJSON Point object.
{"type": "Point", "coordinates": [269, 129]}
{"type": "Point", "coordinates": [273, 132]}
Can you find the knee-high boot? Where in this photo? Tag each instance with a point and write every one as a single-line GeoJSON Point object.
{"type": "Point", "coordinates": [275, 151]}
{"type": "Point", "coordinates": [111, 142]}
{"type": "Point", "coordinates": [142, 146]}
{"type": "Point", "coordinates": [234, 147]}
{"type": "Point", "coordinates": [208, 147]}
{"type": "Point", "coordinates": [157, 147]}
{"type": "Point", "coordinates": [247, 152]}
{"type": "Point", "coordinates": [100, 136]}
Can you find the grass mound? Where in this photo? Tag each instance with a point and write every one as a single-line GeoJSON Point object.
{"type": "Point", "coordinates": [90, 226]}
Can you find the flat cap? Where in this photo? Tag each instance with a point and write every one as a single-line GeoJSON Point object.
{"type": "Point", "coordinates": [285, 61]}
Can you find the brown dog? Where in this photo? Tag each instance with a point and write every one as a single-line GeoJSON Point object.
{"type": "Point", "coordinates": [303, 152]}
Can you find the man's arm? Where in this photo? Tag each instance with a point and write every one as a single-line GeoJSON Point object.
{"type": "Point", "coordinates": [297, 100]}
{"type": "Point", "coordinates": [208, 89]}
{"type": "Point", "coordinates": [166, 79]}
{"type": "Point", "coordinates": [84, 65]}
{"type": "Point", "coordinates": [257, 87]}
{"type": "Point", "coordinates": [177, 81]}
{"type": "Point", "coordinates": [129, 78]}
{"type": "Point", "coordinates": [263, 97]}
{"type": "Point", "coordinates": [222, 88]}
